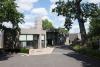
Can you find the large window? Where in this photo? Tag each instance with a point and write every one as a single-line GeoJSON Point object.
{"type": "Point", "coordinates": [29, 37]}
{"type": "Point", "coordinates": [26, 38]}
{"type": "Point", "coordinates": [22, 38]}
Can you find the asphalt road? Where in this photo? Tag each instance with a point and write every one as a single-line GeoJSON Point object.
{"type": "Point", "coordinates": [61, 57]}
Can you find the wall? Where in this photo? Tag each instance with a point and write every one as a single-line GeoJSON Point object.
{"type": "Point", "coordinates": [1, 40]}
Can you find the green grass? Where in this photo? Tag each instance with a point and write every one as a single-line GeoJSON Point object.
{"type": "Point", "coordinates": [87, 51]}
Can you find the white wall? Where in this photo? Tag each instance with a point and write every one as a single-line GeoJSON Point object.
{"type": "Point", "coordinates": [1, 40]}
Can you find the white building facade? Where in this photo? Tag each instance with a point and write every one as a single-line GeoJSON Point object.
{"type": "Point", "coordinates": [33, 37]}
{"type": "Point", "coordinates": [1, 39]}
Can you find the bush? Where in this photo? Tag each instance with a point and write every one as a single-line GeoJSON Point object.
{"type": "Point", "coordinates": [11, 50]}
{"type": "Point", "coordinates": [94, 42]}
{"type": "Point", "coordinates": [87, 51]}
{"type": "Point", "coordinates": [24, 50]}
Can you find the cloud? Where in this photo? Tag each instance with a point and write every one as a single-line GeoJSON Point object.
{"type": "Point", "coordinates": [29, 21]}
{"type": "Point", "coordinates": [61, 18]}
{"type": "Point", "coordinates": [94, 1]}
{"type": "Point", "coordinates": [29, 17]}
{"type": "Point", "coordinates": [27, 25]}
{"type": "Point", "coordinates": [7, 24]}
{"type": "Point", "coordinates": [53, 1]}
{"type": "Point", "coordinates": [25, 5]}
{"type": "Point", "coordinates": [39, 11]}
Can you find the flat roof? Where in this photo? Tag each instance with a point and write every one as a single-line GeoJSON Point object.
{"type": "Point", "coordinates": [33, 31]}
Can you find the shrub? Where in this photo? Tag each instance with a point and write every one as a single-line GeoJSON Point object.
{"type": "Point", "coordinates": [94, 42]}
{"type": "Point", "coordinates": [11, 50]}
{"type": "Point", "coordinates": [24, 50]}
{"type": "Point", "coordinates": [87, 51]}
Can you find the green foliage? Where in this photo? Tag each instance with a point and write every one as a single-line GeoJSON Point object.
{"type": "Point", "coordinates": [76, 47]}
{"type": "Point", "coordinates": [90, 52]}
{"type": "Point", "coordinates": [70, 10]}
{"type": "Point", "coordinates": [94, 33]}
{"type": "Point", "coordinates": [62, 31]}
{"type": "Point", "coordinates": [24, 50]}
{"type": "Point", "coordinates": [11, 38]}
{"type": "Point", "coordinates": [94, 42]}
{"type": "Point", "coordinates": [46, 24]}
{"type": "Point", "coordinates": [87, 51]}
{"type": "Point", "coordinates": [95, 26]}
{"type": "Point", "coordinates": [9, 13]}
{"type": "Point", "coordinates": [74, 9]}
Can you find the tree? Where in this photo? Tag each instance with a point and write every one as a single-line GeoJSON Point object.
{"type": "Point", "coordinates": [9, 13]}
{"type": "Point", "coordinates": [95, 26]}
{"type": "Point", "coordinates": [62, 31]}
{"type": "Point", "coordinates": [47, 24]}
{"type": "Point", "coordinates": [74, 9]}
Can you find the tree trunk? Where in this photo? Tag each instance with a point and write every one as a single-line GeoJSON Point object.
{"type": "Point", "coordinates": [81, 22]}
{"type": "Point", "coordinates": [82, 31]}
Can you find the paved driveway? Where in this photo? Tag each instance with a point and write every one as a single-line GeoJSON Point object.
{"type": "Point", "coordinates": [61, 57]}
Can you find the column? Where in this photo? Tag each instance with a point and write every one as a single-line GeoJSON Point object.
{"type": "Point", "coordinates": [39, 44]}
{"type": "Point", "coordinates": [45, 41]}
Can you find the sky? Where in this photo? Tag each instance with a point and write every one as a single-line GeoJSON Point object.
{"type": "Point", "coordinates": [36, 8]}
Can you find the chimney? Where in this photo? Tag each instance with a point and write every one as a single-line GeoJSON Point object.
{"type": "Point", "coordinates": [38, 23]}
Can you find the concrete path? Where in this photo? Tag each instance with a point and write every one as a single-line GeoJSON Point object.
{"type": "Point", "coordinates": [41, 51]}
{"type": "Point", "coordinates": [61, 57]}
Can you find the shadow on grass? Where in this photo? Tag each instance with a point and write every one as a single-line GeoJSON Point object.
{"type": "Point", "coordinates": [64, 47]}
{"type": "Point", "coordinates": [86, 61]}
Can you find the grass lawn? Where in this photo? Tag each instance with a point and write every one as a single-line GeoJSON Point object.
{"type": "Point", "coordinates": [87, 51]}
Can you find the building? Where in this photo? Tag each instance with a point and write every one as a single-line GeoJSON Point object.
{"type": "Point", "coordinates": [52, 37]}
{"type": "Point", "coordinates": [73, 36]}
{"type": "Point", "coordinates": [55, 38]}
{"type": "Point", "coordinates": [34, 37]}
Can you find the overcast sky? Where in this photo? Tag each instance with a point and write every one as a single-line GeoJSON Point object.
{"type": "Point", "coordinates": [34, 8]}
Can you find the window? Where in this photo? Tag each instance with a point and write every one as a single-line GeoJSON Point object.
{"type": "Point", "coordinates": [42, 37]}
{"type": "Point", "coordinates": [23, 44]}
{"type": "Point", "coordinates": [29, 37]}
{"type": "Point", "coordinates": [22, 38]}
{"type": "Point", "coordinates": [36, 37]}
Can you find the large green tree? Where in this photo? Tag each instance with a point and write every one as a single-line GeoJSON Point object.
{"type": "Point", "coordinates": [46, 24]}
{"type": "Point", "coordinates": [75, 9]}
{"type": "Point", "coordinates": [9, 13]}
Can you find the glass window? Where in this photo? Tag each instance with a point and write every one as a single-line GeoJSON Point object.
{"type": "Point", "coordinates": [22, 38]}
{"type": "Point", "coordinates": [29, 37]}
{"type": "Point", "coordinates": [42, 37]}
{"type": "Point", "coordinates": [36, 37]}
{"type": "Point", "coordinates": [23, 44]}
